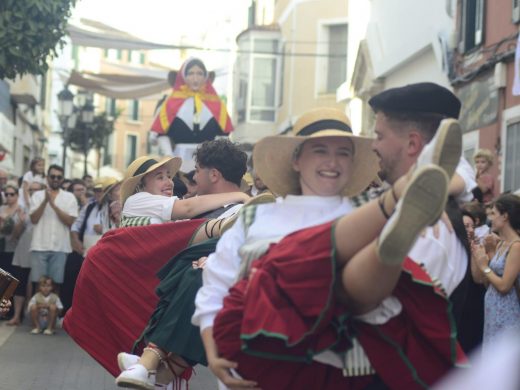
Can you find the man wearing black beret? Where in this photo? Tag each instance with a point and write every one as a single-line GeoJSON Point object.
{"type": "Point", "coordinates": [407, 119]}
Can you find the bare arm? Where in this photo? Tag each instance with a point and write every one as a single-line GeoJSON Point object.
{"type": "Point", "coordinates": [476, 273]}
{"type": "Point", "coordinates": [26, 195]}
{"type": "Point", "coordinates": [189, 208]}
{"type": "Point", "coordinates": [20, 225]}
{"type": "Point", "coordinates": [506, 282]}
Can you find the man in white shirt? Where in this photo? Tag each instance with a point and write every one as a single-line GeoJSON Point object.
{"type": "Point", "coordinates": [52, 212]}
{"type": "Point", "coordinates": [406, 120]}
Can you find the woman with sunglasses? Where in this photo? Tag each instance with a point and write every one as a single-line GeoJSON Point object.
{"type": "Point", "coordinates": [12, 222]}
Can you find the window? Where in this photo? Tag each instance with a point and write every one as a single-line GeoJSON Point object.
{"type": "Point", "coordinates": [135, 57]}
{"type": "Point", "coordinates": [133, 110]}
{"type": "Point", "coordinates": [110, 107]}
{"type": "Point", "coordinates": [75, 56]}
{"type": "Point", "coordinates": [263, 89]}
{"type": "Point", "coordinates": [258, 78]}
{"type": "Point", "coordinates": [131, 148]}
{"type": "Point", "coordinates": [108, 149]}
{"type": "Point", "coordinates": [337, 57]}
{"type": "Point", "coordinates": [472, 24]}
{"type": "Point", "coordinates": [331, 57]}
{"type": "Point", "coordinates": [114, 54]}
{"type": "Point", "coordinates": [512, 158]}
{"type": "Point", "coordinates": [516, 11]}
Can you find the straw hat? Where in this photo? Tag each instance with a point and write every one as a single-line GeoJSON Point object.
{"type": "Point", "coordinates": [104, 182]}
{"type": "Point", "coordinates": [140, 167]}
{"type": "Point", "coordinates": [273, 155]}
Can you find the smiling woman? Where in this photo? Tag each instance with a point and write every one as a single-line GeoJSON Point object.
{"type": "Point", "coordinates": [147, 190]}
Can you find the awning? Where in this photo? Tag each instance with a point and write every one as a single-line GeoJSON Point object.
{"type": "Point", "coordinates": [120, 86]}
{"type": "Point", "coordinates": [95, 34]}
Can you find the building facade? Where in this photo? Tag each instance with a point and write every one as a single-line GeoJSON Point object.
{"type": "Point", "coordinates": [288, 65]}
{"type": "Point", "coordinates": [24, 122]}
{"type": "Point", "coordinates": [484, 74]}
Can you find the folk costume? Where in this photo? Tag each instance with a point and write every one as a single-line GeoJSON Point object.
{"type": "Point", "coordinates": [115, 291]}
{"type": "Point", "coordinates": [190, 117]}
{"type": "Point", "coordinates": [269, 292]}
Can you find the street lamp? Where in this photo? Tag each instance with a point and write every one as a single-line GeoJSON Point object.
{"type": "Point", "coordinates": [87, 117]}
{"type": "Point", "coordinates": [67, 118]}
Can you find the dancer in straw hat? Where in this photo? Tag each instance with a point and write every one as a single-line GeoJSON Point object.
{"type": "Point", "coordinates": [146, 194]}
{"type": "Point", "coordinates": [298, 290]}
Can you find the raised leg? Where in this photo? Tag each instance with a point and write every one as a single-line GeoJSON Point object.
{"type": "Point", "coordinates": [372, 272]}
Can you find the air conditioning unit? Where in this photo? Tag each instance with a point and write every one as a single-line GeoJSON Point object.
{"type": "Point", "coordinates": [516, 11]}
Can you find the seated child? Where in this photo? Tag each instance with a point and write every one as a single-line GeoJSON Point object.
{"type": "Point", "coordinates": [44, 307]}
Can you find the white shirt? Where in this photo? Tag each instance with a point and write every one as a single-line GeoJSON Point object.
{"type": "Point", "coordinates": [144, 204]}
{"type": "Point", "coordinates": [466, 172]}
{"type": "Point", "coordinates": [273, 220]}
{"type": "Point", "coordinates": [444, 258]}
{"type": "Point", "coordinates": [30, 177]}
{"type": "Point", "coordinates": [50, 234]}
{"type": "Point", "coordinates": [94, 218]}
{"type": "Point", "coordinates": [32, 302]}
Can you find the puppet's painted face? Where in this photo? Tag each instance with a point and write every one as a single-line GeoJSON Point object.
{"type": "Point", "coordinates": [195, 78]}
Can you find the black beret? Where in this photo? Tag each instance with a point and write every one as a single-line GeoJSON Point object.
{"type": "Point", "coordinates": [420, 97]}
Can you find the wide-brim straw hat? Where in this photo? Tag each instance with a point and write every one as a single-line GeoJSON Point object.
{"type": "Point", "coordinates": [140, 167]}
{"type": "Point", "coordinates": [109, 189]}
{"type": "Point", "coordinates": [104, 182]}
{"type": "Point", "coordinates": [273, 155]}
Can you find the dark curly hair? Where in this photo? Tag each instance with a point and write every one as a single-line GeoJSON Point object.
{"type": "Point", "coordinates": [225, 157]}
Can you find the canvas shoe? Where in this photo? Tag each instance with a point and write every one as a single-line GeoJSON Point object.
{"type": "Point", "coordinates": [137, 377]}
{"type": "Point", "coordinates": [36, 331]}
{"type": "Point", "coordinates": [445, 148]}
{"type": "Point", "coordinates": [421, 204]}
{"type": "Point", "coordinates": [125, 360]}
{"type": "Point", "coordinates": [48, 332]}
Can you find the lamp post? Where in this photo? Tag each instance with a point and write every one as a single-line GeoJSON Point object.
{"type": "Point", "coordinates": [87, 117]}
{"type": "Point", "coordinates": [67, 118]}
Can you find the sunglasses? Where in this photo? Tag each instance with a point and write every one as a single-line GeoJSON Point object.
{"type": "Point", "coordinates": [10, 193]}
{"type": "Point", "coordinates": [98, 189]}
{"type": "Point", "coordinates": [56, 177]}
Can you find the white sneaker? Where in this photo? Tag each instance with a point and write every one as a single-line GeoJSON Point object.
{"type": "Point", "coordinates": [137, 377]}
{"type": "Point", "coordinates": [125, 360]}
{"type": "Point", "coordinates": [421, 204]}
{"type": "Point", "coordinates": [445, 148]}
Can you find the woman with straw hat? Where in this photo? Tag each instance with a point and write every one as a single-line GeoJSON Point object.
{"type": "Point", "coordinates": [292, 282]}
{"type": "Point", "coordinates": [146, 194]}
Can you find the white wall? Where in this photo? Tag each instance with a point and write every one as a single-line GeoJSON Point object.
{"type": "Point", "coordinates": [422, 67]}
{"type": "Point", "coordinates": [399, 29]}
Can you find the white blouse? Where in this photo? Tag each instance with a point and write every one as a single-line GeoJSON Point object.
{"type": "Point", "coordinates": [272, 221]}
{"type": "Point", "coordinates": [144, 204]}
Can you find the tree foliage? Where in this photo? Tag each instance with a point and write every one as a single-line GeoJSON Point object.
{"type": "Point", "coordinates": [91, 136]}
{"type": "Point", "coordinates": [30, 31]}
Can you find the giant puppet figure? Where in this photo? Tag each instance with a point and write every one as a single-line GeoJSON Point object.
{"type": "Point", "coordinates": [191, 114]}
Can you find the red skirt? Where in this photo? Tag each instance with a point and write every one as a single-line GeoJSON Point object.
{"type": "Point", "coordinates": [273, 323]}
{"type": "Point", "coordinates": [115, 291]}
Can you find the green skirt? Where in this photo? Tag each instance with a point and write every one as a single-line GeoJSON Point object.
{"type": "Point", "coordinates": [170, 326]}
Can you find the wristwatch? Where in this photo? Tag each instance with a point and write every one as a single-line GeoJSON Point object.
{"type": "Point", "coordinates": [487, 270]}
